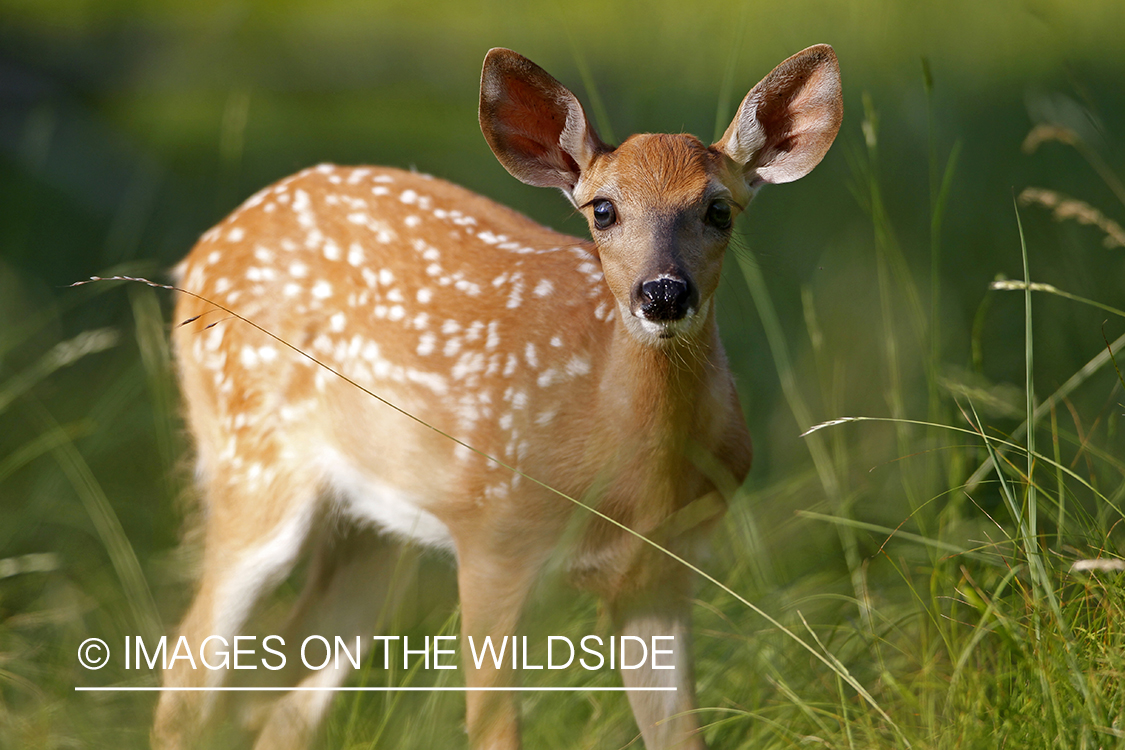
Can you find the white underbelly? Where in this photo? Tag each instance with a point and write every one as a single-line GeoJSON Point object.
{"type": "Point", "coordinates": [367, 500]}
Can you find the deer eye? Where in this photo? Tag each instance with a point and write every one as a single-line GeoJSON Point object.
{"type": "Point", "coordinates": [605, 215]}
{"type": "Point", "coordinates": [719, 214]}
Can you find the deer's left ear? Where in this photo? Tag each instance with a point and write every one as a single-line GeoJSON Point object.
{"type": "Point", "coordinates": [787, 122]}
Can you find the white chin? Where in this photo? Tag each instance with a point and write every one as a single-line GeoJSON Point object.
{"type": "Point", "coordinates": [659, 332]}
{"type": "Point", "coordinates": [664, 330]}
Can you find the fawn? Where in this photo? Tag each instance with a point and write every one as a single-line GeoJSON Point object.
{"type": "Point", "coordinates": [592, 367]}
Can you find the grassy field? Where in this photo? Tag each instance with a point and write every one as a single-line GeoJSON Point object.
{"type": "Point", "coordinates": [878, 582]}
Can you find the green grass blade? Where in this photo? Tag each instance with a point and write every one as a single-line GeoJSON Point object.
{"type": "Point", "coordinates": [107, 525]}
{"type": "Point", "coordinates": [1029, 375]}
{"type": "Point", "coordinates": [63, 354]}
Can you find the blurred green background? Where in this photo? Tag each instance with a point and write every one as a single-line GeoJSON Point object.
{"type": "Point", "coordinates": [128, 127]}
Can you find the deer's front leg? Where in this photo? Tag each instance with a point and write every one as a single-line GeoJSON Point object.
{"type": "Point", "coordinates": [493, 584]}
{"type": "Point", "coordinates": [666, 718]}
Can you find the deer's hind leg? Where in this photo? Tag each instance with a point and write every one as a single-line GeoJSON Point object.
{"type": "Point", "coordinates": [254, 533]}
{"type": "Point", "coordinates": [350, 587]}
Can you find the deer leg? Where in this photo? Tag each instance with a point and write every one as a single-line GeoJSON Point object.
{"type": "Point", "coordinates": [493, 583]}
{"type": "Point", "coordinates": [351, 583]}
{"type": "Point", "coordinates": [666, 718]}
{"type": "Point", "coordinates": [241, 564]}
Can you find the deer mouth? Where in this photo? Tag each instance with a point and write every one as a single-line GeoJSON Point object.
{"type": "Point", "coordinates": [658, 332]}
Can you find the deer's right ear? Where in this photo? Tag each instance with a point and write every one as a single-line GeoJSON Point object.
{"type": "Point", "coordinates": [533, 124]}
{"type": "Point", "coordinates": [787, 122]}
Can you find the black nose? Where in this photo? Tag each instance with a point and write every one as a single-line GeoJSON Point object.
{"type": "Point", "coordinates": [665, 298]}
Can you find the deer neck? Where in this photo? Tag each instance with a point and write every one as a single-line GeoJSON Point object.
{"type": "Point", "coordinates": [657, 395]}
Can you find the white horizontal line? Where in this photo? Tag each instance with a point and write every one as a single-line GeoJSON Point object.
{"type": "Point", "coordinates": [117, 689]}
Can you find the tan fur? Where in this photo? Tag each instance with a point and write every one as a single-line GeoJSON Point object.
{"type": "Point", "coordinates": [521, 342]}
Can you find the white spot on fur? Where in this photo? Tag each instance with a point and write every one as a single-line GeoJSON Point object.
{"type": "Point", "coordinates": [470, 363]}
{"type": "Point", "coordinates": [194, 278]}
{"type": "Point", "coordinates": [248, 357]}
{"type": "Point", "coordinates": [431, 380]}
{"type": "Point", "coordinates": [515, 297]}
{"type": "Point", "coordinates": [260, 274]}
{"type": "Point", "coordinates": [577, 366]}
{"type": "Point", "coordinates": [370, 351]}
{"type": "Point", "coordinates": [383, 232]}
{"type": "Point", "coordinates": [214, 338]}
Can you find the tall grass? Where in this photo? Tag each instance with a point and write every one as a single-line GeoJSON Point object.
{"type": "Point", "coordinates": [973, 628]}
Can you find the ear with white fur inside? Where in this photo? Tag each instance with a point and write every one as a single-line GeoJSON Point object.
{"type": "Point", "coordinates": [787, 122]}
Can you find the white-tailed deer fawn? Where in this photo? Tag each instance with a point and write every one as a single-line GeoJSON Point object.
{"type": "Point", "coordinates": [593, 367]}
